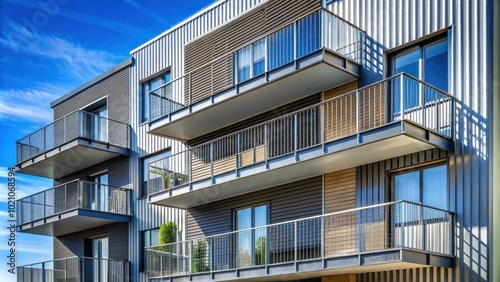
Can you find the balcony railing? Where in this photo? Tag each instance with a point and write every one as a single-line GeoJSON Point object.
{"type": "Point", "coordinates": [320, 29]}
{"type": "Point", "coordinates": [78, 269]}
{"type": "Point", "coordinates": [355, 112]}
{"type": "Point", "coordinates": [77, 194]}
{"type": "Point", "coordinates": [396, 225]}
{"type": "Point", "coordinates": [78, 124]}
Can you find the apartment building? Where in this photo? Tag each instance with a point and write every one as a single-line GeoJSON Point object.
{"type": "Point", "coordinates": [280, 141]}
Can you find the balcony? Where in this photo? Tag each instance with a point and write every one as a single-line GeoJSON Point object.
{"type": "Point", "coordinates": [314, 53]}
{"type": "Point", "coordinates": [356, 128]}
{"type": "Point", "coordinates": [71, 143]}
{"type": "Point", "coordinates": [54, 211]}
{"type": "Point", "coordinates": [387, 236]}
{"type": "Point", "coordinates": [78, 269]}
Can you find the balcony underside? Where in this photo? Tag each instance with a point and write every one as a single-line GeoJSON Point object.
{"type": "Point", "coordinates": [70, 222]}
{"type": "Point", "coordinates": [70, 157]}
{"type": "Point", "coordinates": [391, 140]}
{"type": "Point", "coordinates": [394, 259]}
{"type": "Point", "coordinates": [314, 73]}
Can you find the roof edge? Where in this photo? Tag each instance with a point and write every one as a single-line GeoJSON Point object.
{"type": "Point", "coordinates": [93, 81]}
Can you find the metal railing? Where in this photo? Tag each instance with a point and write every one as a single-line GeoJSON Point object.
{"type": "Point", "coordinates": [304, 36]}
{"type": "Point", "coordinates": [345, 115]}
{"type": "Point", "coordinates": [78, 269]}
{"type": "Point", "coordinates": [78, 124]}
{"type": "Point", "coordinates": [368, 229]}
{"type": "Point", "coordinates": [77, 194]}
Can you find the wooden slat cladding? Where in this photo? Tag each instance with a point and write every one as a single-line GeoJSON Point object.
{"type": "Point", "coordinates": [286, 202]}
{"type": "Point", "coordinates": [340, 278]}
{"type": "Point", "coordinates": [340, 114]}
{"type": "Point", "coordinates": [228, 38]}
{"type": "Point", "coordinates": [274, 113]}
{"type": "Point", "coordinates": [340, 190]}
{"type": "Point", "coordinates": [372, 107]}
{"type": "Point", "coordinates": [340, 194]}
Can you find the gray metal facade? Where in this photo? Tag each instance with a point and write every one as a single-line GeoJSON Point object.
{"type": "Point", "coordinates": [389, 25]}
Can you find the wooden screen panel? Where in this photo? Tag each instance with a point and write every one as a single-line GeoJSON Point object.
{"type": "Point", "coordinates": [340, 230]}
{"type": "Point", "coordinates": [340, 278]}
{"type": "Point", "coordinates": [372, 107]}
{"type": "Point", "coordinates": [340, 114]}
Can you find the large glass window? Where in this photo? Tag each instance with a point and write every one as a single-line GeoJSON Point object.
{"type": "Point", "coordinates": [427, 61]}
{"type": "Point", "coordinates": [251, 61]}
{"type": "Point", "coordinates": [251, 243]}
{"type": "Point", "coordinates": [155, 175]}
{"type": "Point", "coordinates": [427, 186]}
{"type": "Point", "coordinates": [148, 86]}
{"type": "Point", "coordinates": [148, 238]}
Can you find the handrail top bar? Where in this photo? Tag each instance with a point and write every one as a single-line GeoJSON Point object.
{"type": "Point", "coordinates": [309, 218]}
{"type": "Point", "coordinates": [71, 113]}
{"type": "Point", "coordinates": [71, 182]}
{"type": "Point", "coordinates": [68, 258]}
{"type": "Point", "coordinates": [305, 109]}
{"type": "Point", "coordinates": [258, 38]}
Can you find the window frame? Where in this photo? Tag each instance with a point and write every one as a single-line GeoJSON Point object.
{"type": "Point", "coordinates": [143, 180]}
{"type": "Point", "coordinates": [142, 256]}
{"type": "Point", "coordinates": [420, 168]}
{"type": "Point", "coordinates": [144, 106]}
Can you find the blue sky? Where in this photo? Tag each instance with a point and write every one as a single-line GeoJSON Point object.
{"type": "Point", "coordinates": [48, 48]}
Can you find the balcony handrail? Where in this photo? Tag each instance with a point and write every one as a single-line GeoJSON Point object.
{"type": "Point", "coordinates": [69, 114]}
{"type": "Point", "coordinates": [322, 105]}
{"type": "Point", "coordinates": [308, 218]}
{"type": "Point", "coordinates": [71, 257]}
{"type": "Point", "coordinates": [72, 181]}
{"type": "Point", "coordinates": [256, 39]}
{"type": "Point", "coordinates": [183, 97]}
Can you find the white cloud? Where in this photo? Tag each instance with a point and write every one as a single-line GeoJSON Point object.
{"type": "Point", "coordinates": [76, 60]}
{"type": "Point", "coordinates": [26, 105]}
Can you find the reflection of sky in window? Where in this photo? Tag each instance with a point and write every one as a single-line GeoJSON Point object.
{"type": "Point", "coordinates": [435, 186]}
{"type": "Point", "coordinates": [407, 63]}
{"type": "Point", "coordinates": [436, 65]}
{"type": "Point", "coordinates": [260, 216]}
{"type": "Point", "coordinates": [407, 187]}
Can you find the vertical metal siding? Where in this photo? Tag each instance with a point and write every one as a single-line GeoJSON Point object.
{"type": "Point", "coordinates": [390, 23]}
{"type": "Point", "coordinates": [166, 51]}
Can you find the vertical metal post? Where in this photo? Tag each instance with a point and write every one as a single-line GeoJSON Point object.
{"type": "Point", "coordinates": [295, 243]}
{"type": "Point", "coordinates": [322, 250]}
{"type": "Point", "coordinates": [212, 161]}
{"type": "Point", "coordinates": [238, 149]}
{"type": "Point", "coordinates": [358, 111]}
{"type": "Point", "coordinates": [424, 228]}
{"type": "Point", "coordinates": [161, 263]}
{"type": "Point", "coordinates": [401, 224]}
{"type": "Point", "coordinates": [149, 105]}
{"type": "Point", "coordinates": [295, 134]}
{"type": "Point", "coordinates": [82, 270]}
{"type": "Point", "coordinates": [44, 278]}
{"type": "Point", "coordinates": [402, 93]}
{"type": "Point", "coordinates": [29, 146]}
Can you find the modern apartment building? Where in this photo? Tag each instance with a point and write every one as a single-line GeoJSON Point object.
{"type": "Point", "coordinates": [264, 140]}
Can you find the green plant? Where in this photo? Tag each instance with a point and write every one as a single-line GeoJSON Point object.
{"type": "Point", "coordinates": [168, 235]}
{"type": "Point", "coordinates": [198, 255]}
{"type": "Point", "coordinates": [260, 251]}
{"type": "Point", "coordinates": [170, 179]}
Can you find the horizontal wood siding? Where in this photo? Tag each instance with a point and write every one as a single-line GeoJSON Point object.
{"type": "Point", "coordinates": [339, 278]}
{"type": "Point", "coordinates": [340, 114]}
{"type": "Point", "coordinates": [209, 79]}
{"type": "Point", "coordinates": [287, 202]}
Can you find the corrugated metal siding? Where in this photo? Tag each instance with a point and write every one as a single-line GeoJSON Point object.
{"type": "Point", "coordinates": [390, 23]}
{"type": "Point", "coordinates": [115, 87]}
{"type": "Point", "coordinates": [274, 113]}
{"type": "Point", "coordinates": [435, 274]}
{"type": "Point", "coordinates": [287, 202]}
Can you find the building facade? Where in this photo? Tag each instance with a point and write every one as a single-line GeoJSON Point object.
{"type": "Point", "coordinates": [264, 140]}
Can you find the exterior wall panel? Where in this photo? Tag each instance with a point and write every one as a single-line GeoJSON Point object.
{"type": "Point", "coordinates": [286, 202]}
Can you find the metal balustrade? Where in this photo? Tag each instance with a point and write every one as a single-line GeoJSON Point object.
{"type": "Point", "coordinates": [374, 228]}
{"type": "Point", "coordinates": [317, 30]}
{"type": "Point", "coordinates": [78, 124]}
{"type": "Point", "coordinates": [361, 110]}
{"type": "Point", "coordinates": [79, 269]}
{"type": "Point", "coordinates": [77, 194]}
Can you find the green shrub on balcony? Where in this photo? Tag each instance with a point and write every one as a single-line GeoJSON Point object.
{"type": "Point", "coordinates": [198, 255]}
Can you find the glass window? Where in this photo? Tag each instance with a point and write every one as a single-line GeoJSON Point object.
{"type": "Point", "coordinates": [148, 86]}
{"type": "Point", "coordinates": [427, 186]}
{"type": "Point", "coordinates": [244, 59]}
{"type": "Point", "coordinates": [427, 61]}
{"type": "Point", "coordinates": [280, 49]}
{"type": "Point", "coordinates": [251, 243]}
{"type": "Point", "coordinates": [259, 54]}
{"type": "Point", "coordinates": [148, 238]}
{"type": "Point", "coordinates": [155, 178]}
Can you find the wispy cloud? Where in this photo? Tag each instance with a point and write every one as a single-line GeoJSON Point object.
{"type": "Point", "coordinates": [82, 62]}
{"type": "Point", "coordinates": [25, 105]}
{"type": "Point", "coordinates": [147, 11]}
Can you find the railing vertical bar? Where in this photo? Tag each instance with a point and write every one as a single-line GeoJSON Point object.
{"type": "Point", "coordinates": [402, 93]}
{"type": "Point", "coordinates": [358, 111]}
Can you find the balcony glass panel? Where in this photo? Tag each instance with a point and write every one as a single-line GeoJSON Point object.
{"type": "Point", "coordinates": [76, 125]}
{"type": "Point", "coordinates": [369, 229]}
{"type": "Point", "coordinates": [73, 195]}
